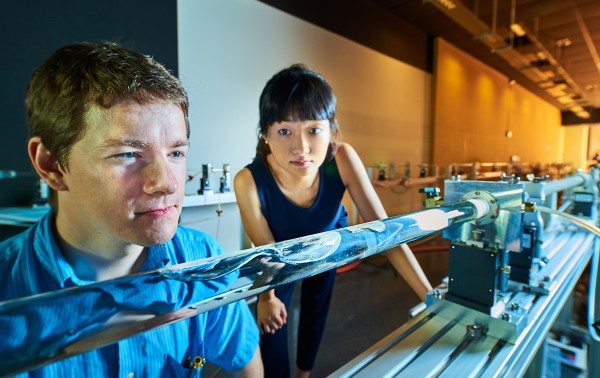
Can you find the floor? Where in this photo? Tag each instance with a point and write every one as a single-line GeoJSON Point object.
{"type": "Point", "coordinates": [369, 302]}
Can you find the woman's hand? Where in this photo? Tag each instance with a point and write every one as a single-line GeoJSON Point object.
{"type": "Point", "coordinates": [271, 314]}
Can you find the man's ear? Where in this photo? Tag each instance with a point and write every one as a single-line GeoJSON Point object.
{"type": "Point", "coordinates": [46, 164]}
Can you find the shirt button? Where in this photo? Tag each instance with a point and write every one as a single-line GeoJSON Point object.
{"type": "Point", "coordinates": [130, 375]}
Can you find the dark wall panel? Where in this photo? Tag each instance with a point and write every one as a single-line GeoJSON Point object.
{"type": "Point", "coordinates": [368, 24]}
{"type": "Point", "coordinates": [568, 118]}
{"type": "Point", "coordinates": [32, 29]}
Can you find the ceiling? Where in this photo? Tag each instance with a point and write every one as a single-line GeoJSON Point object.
{"type": "Point", "coordinates": [557, 58]}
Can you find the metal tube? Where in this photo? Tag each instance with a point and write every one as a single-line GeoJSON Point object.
{"type": "Point", "coordinates": [563, 184]}
{"type": "Point", "coordinates": [79, 319]}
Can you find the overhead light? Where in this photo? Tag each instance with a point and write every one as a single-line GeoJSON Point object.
{"type": "Point", "coordinates": [447, 3]}
{"type": "Point", "coordinates": [584, 114]}
{"type": "Point", "coordinates": [541, 55]}
{"type": "Point", "coordinates": [517, 29]}
{"type": "Point", "coordinates": [563, 42]}
{"type": "Point", "coordinates": [557, 90]}
{"type": "Point", "coordinates": [540, 72]}
{"type": "Point", "coordinates": [565, 99]}
{"type": "Point", "coordinates": [462, 16]}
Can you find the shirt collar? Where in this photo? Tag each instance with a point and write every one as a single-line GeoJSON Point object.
{"type": "Point", "coordinates": [59, 269]}
{"type": "Point", "coordinates": [49, 254]}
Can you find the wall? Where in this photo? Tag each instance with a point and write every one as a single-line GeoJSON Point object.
{"type": "Point", "coordinates": [594, 141]}
{"type": "Point", "coordinates": [33, 29]}
{"type": "Point", "coordinates": [227, 52]}
{"type": "Point", "coordinates": [475, 106]}
{"type": "Point", "coordinates": [576, 145]}
{"type": "Point", "coordinates": [368, 23]}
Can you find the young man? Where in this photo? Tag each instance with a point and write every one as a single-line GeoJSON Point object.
{"type": "Point", "coordinates": [109, 134]}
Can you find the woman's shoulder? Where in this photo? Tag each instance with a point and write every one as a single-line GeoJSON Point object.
{"type": "Point", "coordinates": [343, 147]}
{"type": "Point", "coordinates": [243, 175]}
{"type": "Point", "coordinates": [256, 169]}
{"type": "Point", "coordinates": [242, 181]}
{"type": "Point", "coordinates": [344, 151]}
{"type": "Point", "coordinates": [345, 155]}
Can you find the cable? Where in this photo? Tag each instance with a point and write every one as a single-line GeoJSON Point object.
{"type": "Point", "coordinates": [594, 265]}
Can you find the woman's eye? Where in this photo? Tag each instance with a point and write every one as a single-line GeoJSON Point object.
{"type": "Point", "coordinates": [316, 130]}
{"type": "Point", "coordinates": [284, 132]}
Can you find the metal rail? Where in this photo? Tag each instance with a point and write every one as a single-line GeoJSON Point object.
{"type": "Point", "coordinates": [112, 310]}
{"type": "Point", "coordinates": [442, 341]}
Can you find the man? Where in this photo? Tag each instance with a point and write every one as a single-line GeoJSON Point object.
{"type": "Point", "coordinates": [109, 134]}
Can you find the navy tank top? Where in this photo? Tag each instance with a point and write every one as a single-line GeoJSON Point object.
{"type": "Point", "coordinates": [288, 220]}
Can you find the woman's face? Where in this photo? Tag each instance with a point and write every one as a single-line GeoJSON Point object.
{"type": "Point", "coordinates": [299, 147]}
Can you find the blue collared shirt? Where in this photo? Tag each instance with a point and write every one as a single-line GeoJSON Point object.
{"type": "Point", "coordinates": [31, 263]}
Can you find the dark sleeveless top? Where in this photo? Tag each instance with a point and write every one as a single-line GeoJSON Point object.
{"type": "Point", "coordinates": [288, 220]}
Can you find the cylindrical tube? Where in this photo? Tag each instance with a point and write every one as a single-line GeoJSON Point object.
{"type": "Point", "coordinates": [195, 287]}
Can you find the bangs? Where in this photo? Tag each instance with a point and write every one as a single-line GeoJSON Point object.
{"type": "Point", "coordinates": [307, 99]}
{"type": "Point", "coordinates": [307, 102]}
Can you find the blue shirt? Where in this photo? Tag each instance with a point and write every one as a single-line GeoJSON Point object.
{"type": "Point", "coordinates": [31, 263]}
{"type": "Point", "coordinates": [288, 220]}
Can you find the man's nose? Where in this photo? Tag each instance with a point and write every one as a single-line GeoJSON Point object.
{"type": "Point", "coordinates": [160, 178]}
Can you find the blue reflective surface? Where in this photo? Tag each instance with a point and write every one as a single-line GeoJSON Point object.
{"type": "Point", "coordinates": [48, 327]}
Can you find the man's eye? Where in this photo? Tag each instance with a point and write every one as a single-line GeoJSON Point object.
{"type": "Point", "coordinates": [127, 155]}
{"type": "Point", "coordinates": [178, 154]}
{"type": "Point", "coordinates": [284, 132]}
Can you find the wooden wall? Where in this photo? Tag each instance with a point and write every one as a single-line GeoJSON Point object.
{"type": "Point", "coordinates": [474, 107]}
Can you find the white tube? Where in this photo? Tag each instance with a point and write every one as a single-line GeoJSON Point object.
{"type": "Point", "coordinates": [481, 206]}
{"type": "Point", "coordinates": [594, 266]}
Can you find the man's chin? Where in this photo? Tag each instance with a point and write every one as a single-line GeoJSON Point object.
{"type": "Point", "coordinates": [158, 237]}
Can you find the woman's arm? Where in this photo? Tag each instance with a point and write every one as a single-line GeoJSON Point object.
{"type": "Point", "coordinates": [354, 176]}
{"type": "Point", "coordinates": [271, 314]}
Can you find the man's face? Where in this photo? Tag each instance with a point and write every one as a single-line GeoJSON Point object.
{"type": "Point", "coordinates": [126, 177]}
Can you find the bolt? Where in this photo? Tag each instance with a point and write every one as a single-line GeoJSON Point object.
{"type": "Point", "coordinates": [477, 235]}
{"type": "Point", "coordinates": [476, 330]}
{"type": "Point", "coordinates": [514, 306]}
{"type": "Point", "coordinates": [506, 316]}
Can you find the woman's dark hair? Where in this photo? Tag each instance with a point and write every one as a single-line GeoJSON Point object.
{"type": "Point", "coordinates": [295, 94]}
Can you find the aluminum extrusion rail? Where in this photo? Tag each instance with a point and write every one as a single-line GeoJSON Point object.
{"type": "Point", "coordinates": [449, 340]}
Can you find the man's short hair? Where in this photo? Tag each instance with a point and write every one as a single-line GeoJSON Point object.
{"type": "Point", "coordinates": [82, 75]}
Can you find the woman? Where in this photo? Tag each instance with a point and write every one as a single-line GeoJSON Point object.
{"type": "Point", "coordinates": [294, 187]}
